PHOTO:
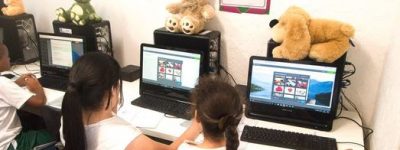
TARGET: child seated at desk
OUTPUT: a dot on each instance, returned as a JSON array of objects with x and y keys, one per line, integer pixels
[
  {"x": 219, "y": 110},
  {"x": 13, "y": 97},
  {"x": 89, "y": 107}
]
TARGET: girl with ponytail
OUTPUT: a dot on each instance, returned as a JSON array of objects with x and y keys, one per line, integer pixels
[
  {"x": 89, "y": 110},
  {"x": 219, "y": 110}
]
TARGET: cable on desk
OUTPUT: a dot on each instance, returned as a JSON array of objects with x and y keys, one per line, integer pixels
[
  {"x": 226, "y": 71},
  {"x": 346, "y": 83},
  {"x": 27, "y": 69},
  {"x": 369, "y": 130},
  {"x": 353, "y": 143}
]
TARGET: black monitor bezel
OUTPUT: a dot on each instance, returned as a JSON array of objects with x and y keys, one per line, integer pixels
[
  {"x": 56, "y": 71},
  {"x": 294, "y": 116},
  {"x": 160, "y": 90}
]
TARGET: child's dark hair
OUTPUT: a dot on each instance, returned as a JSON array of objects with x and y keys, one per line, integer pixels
[
  {"x": 90, "y": 80},
  {"x": 219, "y": 110}
]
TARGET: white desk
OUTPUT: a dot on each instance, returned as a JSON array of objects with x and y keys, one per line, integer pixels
[{"x": 170, "y": 128}]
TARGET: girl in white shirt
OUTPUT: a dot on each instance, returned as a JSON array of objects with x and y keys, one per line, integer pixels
[
  {"x": 219, "y": 109},
  {"x": 89, "y": 107}
]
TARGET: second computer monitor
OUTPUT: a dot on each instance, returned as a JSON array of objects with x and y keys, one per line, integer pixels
[
  {"x": 170, "y": 67},
  {"x": 59, "y": 52}
]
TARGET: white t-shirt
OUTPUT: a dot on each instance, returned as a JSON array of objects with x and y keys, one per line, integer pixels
[
  {"x": 110, "y": 134},
  {"x": 12, "y": 97},
  {"x": 188, "y": 145}
]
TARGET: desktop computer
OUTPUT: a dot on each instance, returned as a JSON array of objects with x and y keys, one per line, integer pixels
[
  {"x": 207, "y": 41},
  {"x": 18, "y": 33},
  {"x": 97, "y": 35}
]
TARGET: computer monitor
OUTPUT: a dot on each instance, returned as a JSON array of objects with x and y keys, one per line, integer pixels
[
  {"x": 59, "y": 52},
  {"x": 300, "y": 93},
  {"x": 170, "y": 68}
]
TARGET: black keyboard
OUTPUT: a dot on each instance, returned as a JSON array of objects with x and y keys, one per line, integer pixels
[
  {"x": 170, "y": 107},
  {"x": 287, "y": 139},
  {"x": 54, "y": 83}
]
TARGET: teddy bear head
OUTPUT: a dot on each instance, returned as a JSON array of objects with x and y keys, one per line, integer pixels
[
  {"x": 293, "y": 24},
  {"x": 291, "y": 30}
]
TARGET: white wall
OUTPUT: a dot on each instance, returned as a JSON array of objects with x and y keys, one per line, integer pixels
[
  {"x": 387, "y": 105},
  {"x": 243, "y": 35}
]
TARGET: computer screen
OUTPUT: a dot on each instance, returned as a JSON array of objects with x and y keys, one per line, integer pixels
[
  {"x": 302, "y": 93},
  {"x": 292, "y": 85},
  {"x": 170, "y": 68},
  {"x": 60, "y": 51}
]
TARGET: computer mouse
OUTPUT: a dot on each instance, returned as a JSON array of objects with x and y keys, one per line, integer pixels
[{"x": 9, "y": 76}]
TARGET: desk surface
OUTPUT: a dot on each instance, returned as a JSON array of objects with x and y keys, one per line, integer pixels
[{"x": 170, "y": 128}]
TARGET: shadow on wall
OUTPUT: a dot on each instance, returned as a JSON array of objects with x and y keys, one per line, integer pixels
[{"x": 357, "y": 92}]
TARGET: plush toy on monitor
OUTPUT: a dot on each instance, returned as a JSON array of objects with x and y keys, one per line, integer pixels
[
  {"x": 13, "y": 7},
  {"x": 189, "y": 16},
  {"x": 80, "y": 13},
  {"x": 301, "y": 36}
]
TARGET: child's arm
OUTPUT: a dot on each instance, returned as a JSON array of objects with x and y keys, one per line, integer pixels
[
  {"x": 144, "y": 142},
  {"x": 39, "y": 99},
  {"x": 190, "y": 134}
]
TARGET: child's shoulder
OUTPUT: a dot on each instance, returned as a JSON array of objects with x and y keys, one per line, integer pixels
[{"x": 190, "y": 145}]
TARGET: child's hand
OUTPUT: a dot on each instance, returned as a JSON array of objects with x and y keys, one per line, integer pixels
[
  {"x": 21, "y": 80},
  {"x": 33, "y": 84}
]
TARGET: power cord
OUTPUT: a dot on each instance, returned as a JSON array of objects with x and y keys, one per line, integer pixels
[
  {"x": 353, "y": 143},
  {"x": 230, "y": 75},
  {"x": 343, "y": 97},
  {"x": 366, "y": 130}
]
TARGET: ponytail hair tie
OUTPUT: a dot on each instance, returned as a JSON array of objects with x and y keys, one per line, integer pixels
[
  {"x": 222, "y": 121},
  {"x": 73, "y": 87}
]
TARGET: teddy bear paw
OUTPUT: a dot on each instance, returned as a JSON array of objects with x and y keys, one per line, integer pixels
[
  {"x": 60, "y": 13},
  {"x": 94, "y": 17},
  {"x": 188, "y": 26},
  {"x": 82, "y": 22},
  {"x": 172, "y": 24},
  {"x": 4, "y": 9}
]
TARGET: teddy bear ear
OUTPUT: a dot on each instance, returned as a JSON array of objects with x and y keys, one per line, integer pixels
[
  {"x": 297, "y": 28},
  {"x": 273, "y": 22}
]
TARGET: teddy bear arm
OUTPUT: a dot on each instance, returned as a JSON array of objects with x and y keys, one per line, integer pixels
[
  {"x": 208, "y": 12},
  {"x": 174, "y": 8},
  {"x": 276, "y": 52},
  {"x": 13, "y": 11},
  {"x": 91, "y": 12},
  {"x": 329, "y": 51},
  {"x": 296, "y": 49}
]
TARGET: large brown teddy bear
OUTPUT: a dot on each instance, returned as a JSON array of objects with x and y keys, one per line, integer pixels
[
  {"x": 189, "y": 16},
  {"x": 300, "y": 36},
  {"x": 14, "y": 7}
]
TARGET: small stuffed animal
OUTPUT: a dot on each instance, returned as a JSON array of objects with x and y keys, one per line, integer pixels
[
  {"x": 14, "y": 7},
  {"x": 189, "y": 16},
  {"x": 80, "y": 13},
  {"x": 300, "y": 36}
]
